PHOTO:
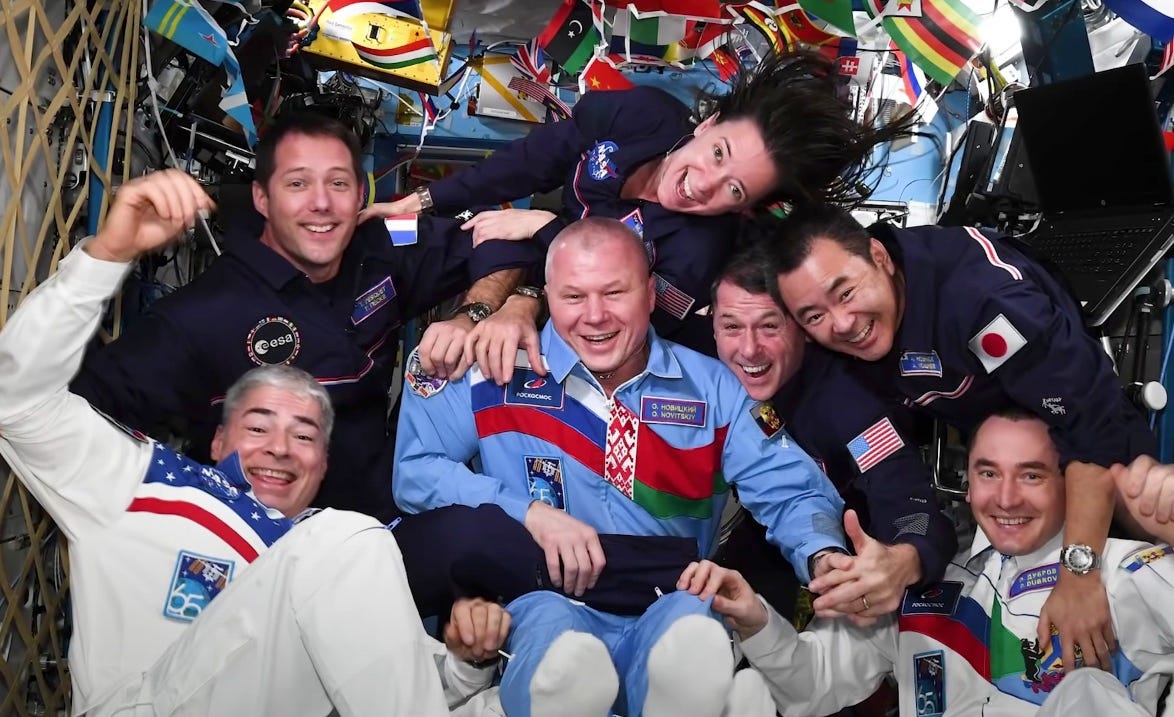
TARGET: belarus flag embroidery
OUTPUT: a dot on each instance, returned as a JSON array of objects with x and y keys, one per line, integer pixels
[
  {"x": 402, "y": 229},
  {"x": 996, "y": 343}
]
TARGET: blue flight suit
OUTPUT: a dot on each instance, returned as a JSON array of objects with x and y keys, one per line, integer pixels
[
  {"x": 864, "y": 445},
  {"x": 172, "y": 366},
  {"x": 609, "y": 136},
  {"x": 985, "y": 327},
  {"x": 655, "y": 458}
]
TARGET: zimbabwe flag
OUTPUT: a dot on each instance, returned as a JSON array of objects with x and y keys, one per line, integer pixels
[{"x": 940, "y": 36}]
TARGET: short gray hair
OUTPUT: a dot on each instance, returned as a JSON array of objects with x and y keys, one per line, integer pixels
[
  {"x": 285, "y": 378},
  {"x": 589, "y": 232}
]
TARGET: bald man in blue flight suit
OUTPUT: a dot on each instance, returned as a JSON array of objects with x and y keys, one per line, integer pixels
[
  {"x": 627, "y": 434},
  {"x": 960, "y": 323}
]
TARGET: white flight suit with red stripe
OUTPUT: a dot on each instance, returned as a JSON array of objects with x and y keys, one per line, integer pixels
[
  {"x": 323, "y": 619},
  {"x": 966, "y": 646}
]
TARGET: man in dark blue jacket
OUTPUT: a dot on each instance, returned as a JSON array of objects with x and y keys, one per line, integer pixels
[
  {"x": 315, "y": 291},
  {"x": 861, "y": 441},
  {"x": 960, "y": 323}
]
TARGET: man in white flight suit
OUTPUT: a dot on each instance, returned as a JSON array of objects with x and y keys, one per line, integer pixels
[
  {"x": 968, "y": 645},
  {"x": 321, "y": 620}
]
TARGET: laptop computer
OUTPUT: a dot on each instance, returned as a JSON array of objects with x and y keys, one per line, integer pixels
[{"x": 1102, "y": 178}]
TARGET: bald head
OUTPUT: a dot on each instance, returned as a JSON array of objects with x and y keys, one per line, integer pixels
[
  {"x": 612, "y": 236},
  {"x": 601, "y": 294}
]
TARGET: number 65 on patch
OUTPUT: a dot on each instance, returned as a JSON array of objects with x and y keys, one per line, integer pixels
[{"x": 929, "y": 681}]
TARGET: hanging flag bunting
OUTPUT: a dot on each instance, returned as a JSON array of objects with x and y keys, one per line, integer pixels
[
  {"x": 801, "y": 28},
  {"x": 763, "y": 20},
  {"x": 189, "y": 25},
  {"x": 693, "y": 9},
  {"x": 727, "y": 64},
  {"x": 652, "y": 30},
  {"x": 540, "y": 92},
  {"x": 847, "y": 61},
  {"x": 940, "y": 36},
  {"x": 1155, "y": 19},
  {"x": 571, "y": 36},
  {"x": 702, "y": 39},
  {"x": 531, "y": 62},
  {"x": 911, "y": 77},
  {"x": 599, "y": 74},
  {"x": 837, "y": 13}
]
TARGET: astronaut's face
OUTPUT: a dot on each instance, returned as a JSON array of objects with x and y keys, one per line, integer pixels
[
  {"x": 724, "y": 168},
  {"x": 310, "y": 204},
  {"x": 846, "y": 302},
  {"x": 600, "y": 297},
  {"x": 282, "y": 445},
  {"x": 760, "y": 344},
  {"x": 1016, "y": 489}
]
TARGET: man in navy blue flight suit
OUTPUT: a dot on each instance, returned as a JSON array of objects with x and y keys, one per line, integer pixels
[
  {"x": 959, "y": 323},
  {"x": 315, "y": 291},
  {"x": 861, "y": 441}
]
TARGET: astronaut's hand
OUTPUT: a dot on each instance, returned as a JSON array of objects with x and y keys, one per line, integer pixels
[
  {"x": 1146, "y": 489},
  {"x": 733, "y": 598},
  {"x": 510, "y": 224},
  {"x": 476, "y": 629},
  {"x": 494, "y": 342},
  {"x": 442, "y": 348},
  {"x": 868, "y": 584},
  {"x": 1078, "y": 607},
  {"x": 147, "y": 213},
  {"x": 569, "y": 541},
  {"x": 404, "y": 205}
]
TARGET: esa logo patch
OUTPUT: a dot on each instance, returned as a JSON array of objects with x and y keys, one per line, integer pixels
[
  {"x": 196, "y": 581},
  {"x": 274, "y": 340},
  {"x": 599, "y": 164}
]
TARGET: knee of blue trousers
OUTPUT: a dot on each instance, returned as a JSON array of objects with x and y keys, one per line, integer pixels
[
  {"x": 536, "y": 620},
  {"x": 631, "y": 656}
]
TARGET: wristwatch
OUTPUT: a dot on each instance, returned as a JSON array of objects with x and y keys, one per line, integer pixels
[
  {"x": 1080, "y": 559},
  {"x": 477, "y": 311},
  {"x": 425, "y": 196},
  {"x": 814, "y": 559},
  {"x": 532, "y": 291}
]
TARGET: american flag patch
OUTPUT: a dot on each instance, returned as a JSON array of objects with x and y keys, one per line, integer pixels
[
  {"x": 671, "y": 299},
  {"x": 879, "y": 441}
]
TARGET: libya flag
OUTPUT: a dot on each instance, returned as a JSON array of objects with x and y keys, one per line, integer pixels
[{"x": 571, "y": 36}]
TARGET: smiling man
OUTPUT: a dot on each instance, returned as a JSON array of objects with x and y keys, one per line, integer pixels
[
  {"x": 191, "y": 595},
  {"x": 959, "y": 323},
  {"x": 861, "y": 441},
  {"x": 316, "y": 290},
  {"x": 627, "y": 434},
  {"x": 968, "y": 645}
]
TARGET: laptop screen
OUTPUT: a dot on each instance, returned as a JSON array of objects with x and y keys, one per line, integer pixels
[{"x": 1093, "y": 142}]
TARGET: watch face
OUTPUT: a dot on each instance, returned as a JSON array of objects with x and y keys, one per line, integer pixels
[
  {"x": 477, "y": 311},
  {"x": 1079, "y": 558}
]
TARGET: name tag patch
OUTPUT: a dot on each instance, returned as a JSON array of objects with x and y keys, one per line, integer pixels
[
  {"x": 372, "y": 300},
  {"x": 921, "y": 363},
  {"x": 544, "y": 477},
  {"x": 938, "y": 599},
  {"x": 1042, "y": 578},
  {"x": 527, "y": 388},
  {"x": 196, "y": 581},
  {"x": 677, "y": 411}
]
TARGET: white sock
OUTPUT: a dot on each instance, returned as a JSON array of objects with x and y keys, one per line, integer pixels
[
  {"x": 576, "y": 678},
  {"x": 749, "y": 697},
  {"x": 690, "y": 669}
]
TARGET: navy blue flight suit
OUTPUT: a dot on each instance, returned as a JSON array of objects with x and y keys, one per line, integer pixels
[
  {"x": 609, "y": 135},
  {"x": 865, "y": 446},
  {"x": 172, "y": 366},
  {"x": 985, "y": 327}
]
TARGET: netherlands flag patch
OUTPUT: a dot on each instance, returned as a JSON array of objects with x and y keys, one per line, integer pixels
[{"x": 402, "y": 229}]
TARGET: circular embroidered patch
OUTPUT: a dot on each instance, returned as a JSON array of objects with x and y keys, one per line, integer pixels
[{"x": 274, "y": 340}]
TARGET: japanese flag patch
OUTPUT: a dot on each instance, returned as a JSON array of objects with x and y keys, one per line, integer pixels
[{"x": 996, "y": 343}]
